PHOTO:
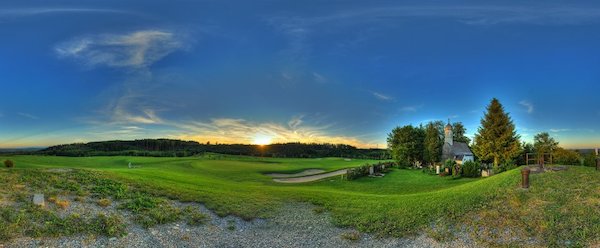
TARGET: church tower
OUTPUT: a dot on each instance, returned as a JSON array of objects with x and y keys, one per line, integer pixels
[{"x": 448, "y": 134}]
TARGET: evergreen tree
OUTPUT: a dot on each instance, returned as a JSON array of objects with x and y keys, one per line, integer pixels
[
  {"x": 406, "y": 144},
  {"x": 432, "y": 143},
  {"x": 496, "y": 139},
  {"x": 458, "y": 133}
]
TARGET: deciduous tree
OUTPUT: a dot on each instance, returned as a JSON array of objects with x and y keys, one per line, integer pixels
[
  {"x": 406, "y": 144},
  {"x": 543, "y": 143}
]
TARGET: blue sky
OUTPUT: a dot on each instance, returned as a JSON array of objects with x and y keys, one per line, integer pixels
[{"x": 282, "y": 71}]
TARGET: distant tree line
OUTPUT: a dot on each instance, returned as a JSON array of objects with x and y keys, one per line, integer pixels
[{"x": 179, "y": 148}]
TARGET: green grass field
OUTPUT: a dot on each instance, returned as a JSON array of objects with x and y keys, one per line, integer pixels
[{"x": 404, "y": 202}]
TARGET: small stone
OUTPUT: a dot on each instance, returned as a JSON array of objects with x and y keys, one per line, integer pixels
[
  {"x": 113, "y": 239},
  {"x": 38, "y": 199},
  {"x": 154, "y": 232}
]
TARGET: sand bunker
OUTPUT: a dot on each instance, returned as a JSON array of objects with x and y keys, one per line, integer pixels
[
  {"x": 299, "y": 174},
  {"x": 311, "y": 178}
]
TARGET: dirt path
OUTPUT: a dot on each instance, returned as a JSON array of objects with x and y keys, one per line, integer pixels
[
  {"x": 310, "y": 178},
  {"x": 297, "y": 225},
  {"x": 299, "y": 174}
]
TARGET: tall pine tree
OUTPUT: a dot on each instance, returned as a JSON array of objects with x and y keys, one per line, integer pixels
[{"x": 496, "y": 139}]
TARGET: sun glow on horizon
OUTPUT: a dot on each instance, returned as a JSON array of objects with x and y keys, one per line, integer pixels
[{"x": 261, "y": 139}]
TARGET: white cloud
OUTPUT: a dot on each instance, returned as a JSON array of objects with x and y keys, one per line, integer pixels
[
  {"x": 136, "y": 49},
  {"x": 411, "y": 108},
  {"x": 225, "y": 130},
  {"x": 558, "y": 130},
  {"x": 381, "y": 96},
  {"x": 27, "y": 115},
  {"x": 408, "y": 109},
  {"x": 295, "y": 122},
  {"x": 527, "y": 105},
  {"x": 466, "y": 14},
  {"x": 286, "y": 76},
  {"x": 319, "y": 78},
  {"x": 38, "y": 11}
]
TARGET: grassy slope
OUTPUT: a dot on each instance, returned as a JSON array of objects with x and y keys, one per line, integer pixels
[
  {"x": 403, "y": 202},
  {"x": 560, "y": 209}
]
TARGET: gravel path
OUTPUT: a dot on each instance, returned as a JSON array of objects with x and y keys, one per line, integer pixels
[
  {"x": 299, "y": 174},
  {"x": 310, "y": 178},
  {"x": 296, "y": 225}
]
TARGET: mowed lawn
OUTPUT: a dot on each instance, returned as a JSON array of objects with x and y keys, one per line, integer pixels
[{"x": 404, "y": 202}]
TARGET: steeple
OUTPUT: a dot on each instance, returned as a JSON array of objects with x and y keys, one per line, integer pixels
[{"x": 448, "y": 134}]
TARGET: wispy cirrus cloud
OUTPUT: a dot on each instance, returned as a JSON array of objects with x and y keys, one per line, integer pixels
[
  {"x": 226, "y": 130},
  {"x": 558, "y": 130},
  {"x": 16, "y": 12},
  {"x": 137, "y": 49},
  {"x": 466, "y": 14},
  {"x": 381, "y": 96},
  {"x": 412, "y": 108},
  {"x": 28, "y": 116},
  {"x": 295, "y": 122},
  {"x": 319, "y": 78},
  {"x": 528, "y": 106},
  {"x": 139, "y": 124}
]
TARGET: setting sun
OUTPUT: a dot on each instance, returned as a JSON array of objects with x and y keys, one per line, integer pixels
[{"x": 261, "y": 139}]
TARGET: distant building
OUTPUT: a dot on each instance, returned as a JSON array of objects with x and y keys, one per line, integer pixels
[{"x": 457, "y": 151}]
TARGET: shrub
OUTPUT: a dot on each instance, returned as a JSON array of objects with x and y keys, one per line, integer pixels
[
  {"x": 63, "y": 204},
  {"x": 456, "y": 171},
  {"x": 429, "y": 170},
  {"x": 566, "y": 157},
  {"x": 352, "y": 236},
  {"x": 590, "y": 160},
  {"x": 194, "y": 217},
  {"x": 112, "y": 225},
  {"x": 104, "y": 202},
  {"x": 449, "y": 163},
  {"x": 363, "y": 170},
  {"x": 9, "y": 163},
  {"x": 509, "y": 165},
  {"x": 230, "y": 225},
  {"x": 319, "y": 210},
  {"x": 141, "y": 203},
  {"x": 471, "y": 169}
]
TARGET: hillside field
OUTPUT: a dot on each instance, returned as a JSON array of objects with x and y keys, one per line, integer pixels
[{"x": 403, "y": 203}]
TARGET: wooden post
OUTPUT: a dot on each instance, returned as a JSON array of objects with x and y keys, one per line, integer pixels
[{"x": 525, "y": 178}]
